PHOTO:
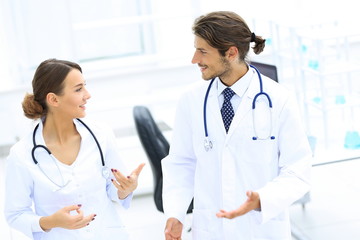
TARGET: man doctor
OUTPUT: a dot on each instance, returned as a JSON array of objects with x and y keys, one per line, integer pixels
[{"x": 242, "y": 187}]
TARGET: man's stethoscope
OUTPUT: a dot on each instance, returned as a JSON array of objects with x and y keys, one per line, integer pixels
[
  {"x": 105, "y": 169},
  {"x": 208, "y": 143}
]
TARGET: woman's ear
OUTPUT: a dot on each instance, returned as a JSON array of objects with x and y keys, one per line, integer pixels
[{"x": 52, "y": 99}]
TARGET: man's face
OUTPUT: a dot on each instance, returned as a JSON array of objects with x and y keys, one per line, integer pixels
[{"x": 211, "y": 63}]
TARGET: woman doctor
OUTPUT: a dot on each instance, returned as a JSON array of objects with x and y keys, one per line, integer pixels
[
  {"x": 246, "y": 175},
  {"x": 67, "y": 194}
]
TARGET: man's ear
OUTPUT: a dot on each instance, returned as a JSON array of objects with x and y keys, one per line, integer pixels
[
  {"x": 232, "y": 53},
  {"x": 52, "y": 99}
]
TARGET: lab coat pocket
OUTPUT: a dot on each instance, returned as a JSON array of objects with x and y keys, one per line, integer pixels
[
  {"x": 205, "y": 224},
  {"x": 274, "y": 229},
  {"x": 260, "y": 142},
  {"x": 200, "y": 234},
  {"x": 115, "y": 232}
]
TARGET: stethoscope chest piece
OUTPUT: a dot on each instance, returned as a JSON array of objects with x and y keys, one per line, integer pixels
[
  {"x": 105, "y": 172},
  {"x": 207, "y": 144}
]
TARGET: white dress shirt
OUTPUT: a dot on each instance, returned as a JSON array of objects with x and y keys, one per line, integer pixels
[
  {"x": 239, "y": 87},
  {"x": 32, "y": 190}
]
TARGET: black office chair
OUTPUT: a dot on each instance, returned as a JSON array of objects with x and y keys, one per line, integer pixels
[
  {"x": 267, "y": 70},
  {"x": 156, "y": 147}
]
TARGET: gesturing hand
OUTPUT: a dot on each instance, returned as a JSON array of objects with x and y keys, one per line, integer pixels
[
  {"x": 251, "y": 203},
  {"x": 64, "y": 219},
  {"x": 126, "y": 185}
]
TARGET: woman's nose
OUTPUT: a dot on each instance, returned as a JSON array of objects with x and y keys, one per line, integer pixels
[{"x": 87, "y": 94}]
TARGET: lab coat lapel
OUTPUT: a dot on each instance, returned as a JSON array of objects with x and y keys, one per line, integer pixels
[{"x": 214, "y": 110}]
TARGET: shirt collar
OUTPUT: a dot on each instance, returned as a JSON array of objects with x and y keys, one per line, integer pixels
[{"x": 239, "y": 87}]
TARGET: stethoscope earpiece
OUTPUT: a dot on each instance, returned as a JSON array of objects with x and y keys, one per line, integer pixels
[{"x": 255, "y": 138}]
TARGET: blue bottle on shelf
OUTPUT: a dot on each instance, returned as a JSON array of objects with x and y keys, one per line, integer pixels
[{"x": 352, "y": 140}]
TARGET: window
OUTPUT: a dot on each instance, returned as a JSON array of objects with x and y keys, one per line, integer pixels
[
  {"x": 112, "y": 29},
  {"x": 100, "y": 34}
]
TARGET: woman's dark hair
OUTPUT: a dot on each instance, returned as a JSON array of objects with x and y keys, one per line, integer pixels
[
  {"x": 224, "y": 29},
  {"x": 49, "y": 77}
]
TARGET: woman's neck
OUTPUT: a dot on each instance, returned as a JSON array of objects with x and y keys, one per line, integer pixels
[{"x": 57, "y": 130}]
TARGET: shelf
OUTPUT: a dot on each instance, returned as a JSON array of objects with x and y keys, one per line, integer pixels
[
  {"x": 334, "y": 68},
  {"x": 330, "y": 105}
]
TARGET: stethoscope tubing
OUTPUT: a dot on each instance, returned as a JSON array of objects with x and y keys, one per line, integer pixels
[
  {"x": 207, "y": 142},
  {"x": 96, "y": 141},
  {"x": 49, "y": 152},
  {"x": 261, "y": 90},
  {"x": 205, "y": 103},
  {"x": 105, "y": 170}
]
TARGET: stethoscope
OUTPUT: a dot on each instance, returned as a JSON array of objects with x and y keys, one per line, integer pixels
[
  {"x": 208, "y": 143},
  {"x": 105, "y": 170}
]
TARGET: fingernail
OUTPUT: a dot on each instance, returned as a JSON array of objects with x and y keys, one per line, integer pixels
[
  {"x": 115, "y": 170},
  {"x": 79, "y": 205},
  {"x": 95, "y": 215},
  {"x": 112, "y": 170},
  {"x": 128, "y": 176},
  {"x": 112, "y": 180},
  {"x": 88, "y": 224},
  {"x": 93, "y": 219}
]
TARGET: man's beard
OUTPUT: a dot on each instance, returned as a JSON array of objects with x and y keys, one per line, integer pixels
[{"x": 225, "y": 71}]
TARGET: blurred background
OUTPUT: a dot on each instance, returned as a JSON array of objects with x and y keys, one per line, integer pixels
[{"x": 139, "y": 52}]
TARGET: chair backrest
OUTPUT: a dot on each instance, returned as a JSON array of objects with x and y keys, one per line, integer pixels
[
  {"x": 155, "y": 145},
  {"x": 267, "y": 70}
]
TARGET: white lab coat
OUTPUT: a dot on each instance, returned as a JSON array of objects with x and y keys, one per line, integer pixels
[
  {"x": 30, "y": 194},
  {"x": 279, "y": 170}
]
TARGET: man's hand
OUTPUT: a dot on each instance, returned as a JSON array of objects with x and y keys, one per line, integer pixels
[
  {"x": 173, "y": 229},
  {"x": 251, "y": 203}
]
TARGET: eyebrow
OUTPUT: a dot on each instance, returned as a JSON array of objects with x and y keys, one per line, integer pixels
[
  {"x": 79, "y": 85},
  {"x": 201, "y": 49}
]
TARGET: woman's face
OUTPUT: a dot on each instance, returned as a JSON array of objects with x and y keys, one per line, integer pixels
[{"x": 75, "y": 95}]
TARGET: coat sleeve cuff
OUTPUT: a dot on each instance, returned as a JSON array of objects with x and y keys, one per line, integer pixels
[
  {"x": 180, "y": 217},
  {"x": 35, "y": 224},
  {"x": 125, "y": 203}
]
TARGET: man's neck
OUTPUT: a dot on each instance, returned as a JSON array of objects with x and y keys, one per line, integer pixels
[{"x": 238, "y": 70}]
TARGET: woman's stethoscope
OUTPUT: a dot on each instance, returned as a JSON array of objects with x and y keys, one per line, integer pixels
[
  {"x": 105, "y": 169},
  {"x": 208, "y": 143}
]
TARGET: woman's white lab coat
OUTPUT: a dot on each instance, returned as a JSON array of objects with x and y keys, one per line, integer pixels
[
  {"x": 30, "y": 194},
  {"x": 279, "y": 169}
]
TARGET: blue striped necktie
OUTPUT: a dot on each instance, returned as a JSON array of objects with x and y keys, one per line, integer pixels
[{"x": 227, "y": 110}]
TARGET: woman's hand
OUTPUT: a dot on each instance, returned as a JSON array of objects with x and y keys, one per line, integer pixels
[
  {"x": 126, "y": 185},
  {"x": 253, "y": 202},
  {"x": 64, "y": 219}
]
